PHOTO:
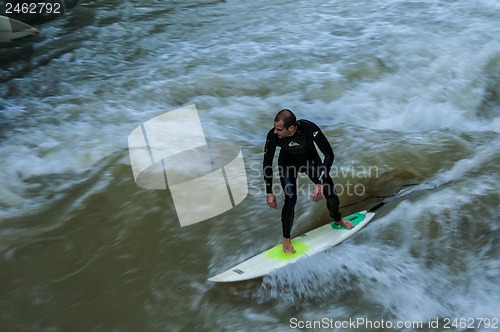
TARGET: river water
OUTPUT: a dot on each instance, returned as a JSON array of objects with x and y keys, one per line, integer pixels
[{"x": 407, "y": 92}]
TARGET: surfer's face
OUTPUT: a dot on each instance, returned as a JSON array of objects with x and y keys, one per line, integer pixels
[{"x": 281, "y": 131}]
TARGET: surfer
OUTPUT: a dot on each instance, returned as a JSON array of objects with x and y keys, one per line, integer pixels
[{"x": 298, "y": 154}]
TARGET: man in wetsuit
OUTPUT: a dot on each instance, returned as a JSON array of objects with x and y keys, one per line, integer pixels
[{"x": 298, "y": 154}]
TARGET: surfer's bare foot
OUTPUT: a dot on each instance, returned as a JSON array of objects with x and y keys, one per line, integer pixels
[
  {"x": 345, "y": 223},
  {"x": 287, "y": 246}
]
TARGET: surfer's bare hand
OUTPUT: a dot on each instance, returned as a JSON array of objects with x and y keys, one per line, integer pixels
[
  {"x": 271, "y": 201},
  {"x": 317, "y": 193}
]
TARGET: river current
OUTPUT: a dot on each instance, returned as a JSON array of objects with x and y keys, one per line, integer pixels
[{"x": 407, "y": 92}]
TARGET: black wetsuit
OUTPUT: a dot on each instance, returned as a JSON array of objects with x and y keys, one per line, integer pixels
[{"x": 298, "y": 154}]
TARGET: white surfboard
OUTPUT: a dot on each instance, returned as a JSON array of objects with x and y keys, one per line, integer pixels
[
  {"x": 305, "y": 245},
  {"x": 12, "y": 30}
]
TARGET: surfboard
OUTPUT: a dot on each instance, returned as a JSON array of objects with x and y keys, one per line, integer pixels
[
  {"x": 306, "y": 245},
  {"x": 13, "y": 30}
]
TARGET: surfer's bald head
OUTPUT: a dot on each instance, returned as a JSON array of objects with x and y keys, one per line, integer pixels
[{"x": 287, "y": 117}]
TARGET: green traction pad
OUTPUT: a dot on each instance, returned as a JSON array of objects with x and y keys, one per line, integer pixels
[
  {"x": 276, "y": 253},
  {"x": 355, "y": 218}
]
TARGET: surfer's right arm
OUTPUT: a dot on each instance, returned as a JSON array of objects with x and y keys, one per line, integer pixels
[{"x": 267, "y": 166}]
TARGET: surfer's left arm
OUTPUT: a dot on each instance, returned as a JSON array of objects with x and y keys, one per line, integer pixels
[{"x": 325, "y": 148}]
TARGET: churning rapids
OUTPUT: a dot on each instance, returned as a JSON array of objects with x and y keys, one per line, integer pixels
[{"x": 407, "y": 92}]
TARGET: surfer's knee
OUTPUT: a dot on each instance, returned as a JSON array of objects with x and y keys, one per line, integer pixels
[
  {"x": 290, "y": 193},
  {"x": 290, "y": 198},
  {"x": 329, "y": 190}
]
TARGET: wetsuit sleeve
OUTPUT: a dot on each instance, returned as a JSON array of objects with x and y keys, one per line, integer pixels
[
  {"x": 269, "y": 150},
  {"x": 325, "y": 148}
]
